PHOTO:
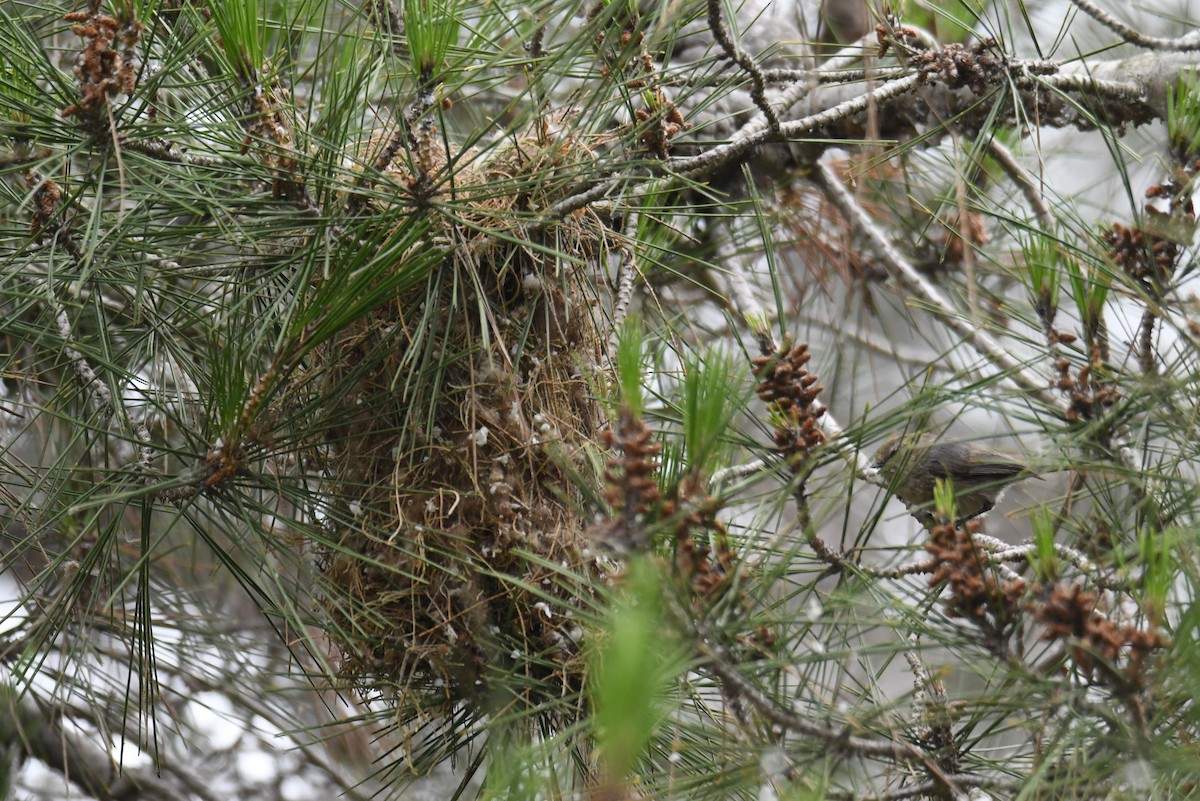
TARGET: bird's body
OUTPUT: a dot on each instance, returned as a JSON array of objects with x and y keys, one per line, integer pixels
[{"x": 912, "y": 464}]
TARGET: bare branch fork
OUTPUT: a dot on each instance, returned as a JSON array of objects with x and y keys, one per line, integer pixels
[
  {"x": 755, "y": 134},
  {"x": 733, "y": 51}
]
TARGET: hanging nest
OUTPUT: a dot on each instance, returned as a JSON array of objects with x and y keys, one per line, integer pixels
[{"x": 464, "y": 412}]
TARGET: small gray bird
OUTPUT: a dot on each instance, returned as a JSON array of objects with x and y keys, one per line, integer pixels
[{"x": 913, "y": 463}]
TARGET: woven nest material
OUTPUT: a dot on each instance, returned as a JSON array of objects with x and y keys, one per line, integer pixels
[{"x": 465, "y": 410}]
